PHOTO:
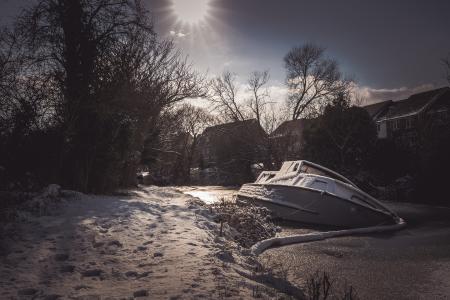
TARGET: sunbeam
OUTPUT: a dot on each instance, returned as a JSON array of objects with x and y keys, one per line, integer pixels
[{"x": 192, "y": 12}]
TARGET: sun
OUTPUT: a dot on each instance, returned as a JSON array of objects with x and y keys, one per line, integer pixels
[{"x": 191, "y": 11}]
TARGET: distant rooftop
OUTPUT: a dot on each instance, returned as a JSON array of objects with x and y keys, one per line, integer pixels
[
  {"x": 290, "y": 127},
  {"x": 375, "y": 109},
  {"x": 250, "y": 124},
  {"x": 412, "y": 105}
]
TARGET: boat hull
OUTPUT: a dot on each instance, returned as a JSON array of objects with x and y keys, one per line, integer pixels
[{"x": 310, "y": 206}]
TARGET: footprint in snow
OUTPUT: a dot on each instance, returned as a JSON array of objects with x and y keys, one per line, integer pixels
[
  {"x": 88, "y": 297},
  {"x": 92, "y": 273},
  {"x": 140, "y": 293},
  {"x": 106, "y": 225},
  {"x": 115, "y": 243},
  {"x": 158, "y": 254},
  {"x": 52, "y": 297},
  {"x": 98, "y": 244},
  {"x": 67, "y": 269},
  {"x": 27, "y": 292},
  {"x": 82, "y": 287},
  {"x": 61, "y": 257},
  {"x": 131, "y": 274},
  {"x": 144, "y": 274}
]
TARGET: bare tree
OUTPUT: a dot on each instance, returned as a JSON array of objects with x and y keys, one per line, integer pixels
[
  {"x": 235, "y": 105},
  {"x": 223, "y": 95},
  {"x": 446, "y": 62},
  {"x": 194, "y": 122},
  {"x": 258, "y": 101},
  {"x": 194, "y": 119},
  {"x": 8, "y": 72},
  {"x": 260, "y": 106},
  {"x": 180, "y": 129},
  {"x": 312, "y": 79}
]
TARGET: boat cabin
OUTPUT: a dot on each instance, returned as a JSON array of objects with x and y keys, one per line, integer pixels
[{"x": 290, "y": 169}]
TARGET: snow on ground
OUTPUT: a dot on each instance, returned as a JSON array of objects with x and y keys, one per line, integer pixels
[{"x": 152, "y": 243}]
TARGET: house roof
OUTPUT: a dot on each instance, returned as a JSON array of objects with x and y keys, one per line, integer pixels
[
  {"x": 251, "y": 124},
  {"x": 415, "y": 103},
  {"x": 290, "y": 127},
  {"x": 443, "y": 101},
  {"x": 377, "y": 109}
]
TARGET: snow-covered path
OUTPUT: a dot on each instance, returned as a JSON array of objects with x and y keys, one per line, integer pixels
[{"x": 150, "y": 244}]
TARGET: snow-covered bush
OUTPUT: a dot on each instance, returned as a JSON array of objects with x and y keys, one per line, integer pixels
[{"x": 250, "y": 223}]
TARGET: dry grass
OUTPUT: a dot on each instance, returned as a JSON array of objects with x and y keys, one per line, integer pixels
[{"x": 320, "y": 286}]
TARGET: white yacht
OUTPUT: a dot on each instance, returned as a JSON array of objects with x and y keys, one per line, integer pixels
[{"x": 309, "y": 193}]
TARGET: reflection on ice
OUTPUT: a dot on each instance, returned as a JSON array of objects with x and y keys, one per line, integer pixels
[
  {"x": 206, "y": 197},
  {"x": 211, "y": 194}
]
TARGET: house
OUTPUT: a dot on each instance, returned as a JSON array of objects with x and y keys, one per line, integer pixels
[
  {"x": 404, "y": 120},
  {"x": 287, "y": 140},
  {"x": 376, "y": 111},
  {"x": 239, "y": 141}
]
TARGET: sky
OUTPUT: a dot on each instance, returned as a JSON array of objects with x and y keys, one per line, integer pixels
[{"x": 391, "y": 48}]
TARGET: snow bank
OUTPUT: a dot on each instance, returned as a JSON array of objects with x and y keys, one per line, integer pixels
[
  {"x": 153, "y": 242},
  {"x": 48, "y": 200}
]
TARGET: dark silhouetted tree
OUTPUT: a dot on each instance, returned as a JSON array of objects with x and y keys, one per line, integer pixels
[
  {"x": 342, "y": 138},
  {"x": 98, "y": 78}
]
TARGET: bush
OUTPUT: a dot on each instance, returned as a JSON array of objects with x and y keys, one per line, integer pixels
[{"x": 250, "y": 223}]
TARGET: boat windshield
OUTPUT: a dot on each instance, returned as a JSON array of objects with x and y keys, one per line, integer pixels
[
  {"x": 309, "y": 169},
  {"x": 265, "y": 176},
  {"x": 312, "y": 170}
]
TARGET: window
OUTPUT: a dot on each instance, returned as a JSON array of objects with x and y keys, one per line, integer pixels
[
  {"x": 395, "y": 125},
  {"x": 442, "y": 116},
  {"x": 319, "y": 185},
  {"x": 311, "y": 170},
  {"x": 408, "y": 123},
  {"x": 295, "y": 167},
  {"x": 412, "y": 139},
  {"x": 297, "y": 180}
]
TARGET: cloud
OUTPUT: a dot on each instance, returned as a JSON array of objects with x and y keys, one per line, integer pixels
[
  {"x": 178, "y": 34},
  {"x": 227, "y": 63},
  {"x": 370, "y": 95},
  {"x": 278, "y": 93}
]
